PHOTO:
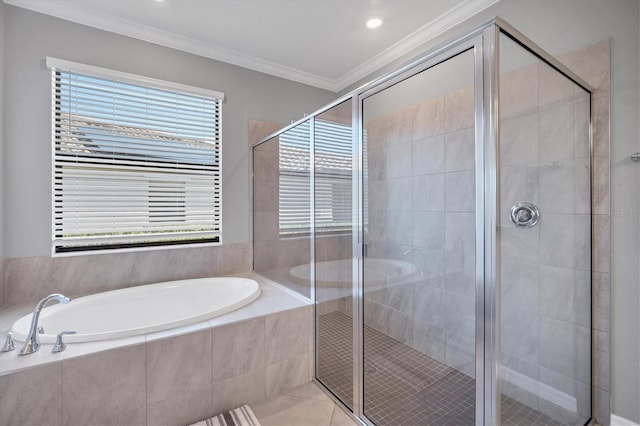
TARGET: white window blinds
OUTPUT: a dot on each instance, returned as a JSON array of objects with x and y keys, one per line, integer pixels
[
  {"x": 134, "y": 165},
  {"x": 333, "y": 179}
]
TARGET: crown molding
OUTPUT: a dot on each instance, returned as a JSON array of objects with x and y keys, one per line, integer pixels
[
  {"x": 434, "y": 28},
  {"x": 128, "y": 28}
]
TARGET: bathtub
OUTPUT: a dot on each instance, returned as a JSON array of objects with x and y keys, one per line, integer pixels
[{"x": 142, "y": 309}]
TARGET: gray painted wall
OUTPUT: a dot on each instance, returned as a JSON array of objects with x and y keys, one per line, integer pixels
[
  {"x": 562, "y": 26},
  {"x": 30, "y": 37},
  {"x": 2, "y": 295}
]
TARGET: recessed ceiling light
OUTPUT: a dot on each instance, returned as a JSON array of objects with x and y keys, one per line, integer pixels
[{"x": 374, "y": 22}]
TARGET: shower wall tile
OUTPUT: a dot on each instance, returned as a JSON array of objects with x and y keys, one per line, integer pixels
[
  {"x": 565, "y": 294},
  {"x": 460, "y": 360},
  {"x": 519, "y": 91},
  {"x": 28, "y": 279},
  {"x": 376, "y": 134},
  {"x": 565, "y": 241},
  {"x": 265, "y": 225},
  {"x": 519, "y": 138},
  {"x": 428, "y": 155},
  {"x": 32, "y": 396},
  {"x": 602, "y": 302},
  {"x": 428, "y": 230},
  {"x": 428, "y": 306},
  {"x": 460, "y": 232},
  {"x": 430, "y": 265},
  {"x": 461, "y": 191},
  {"x": 3, "y": 288},
  {"x": 398, "y": 160},
  {"x": 261, "y": 129},
  {"x": 520, "y": 329},
  {"x": 399, "y": 194},
  {"x": 561, "y": 384},
  {"x": 119, "y": 373},
  {"x": 520, "y": 285},
  {"x": 178, "y": 365},
  {"x": 400, "y": 228},
  {"x": 513, "y": 372},
  {"x": 561, "y": 348},
  {"x": 265, "y": 196},
  {"x": 428, "y": 193},
  {"x": 460, "y": 273},
  {"x": 557, "y": 133},
  {"x": 429, "y": 339},
  {"x": 518, "y": 183},
  {"x": 592, "y": 63},
  {"x": 459, "y": 314},
  {"x": 460, "y": 150},
  {"x": 429, "y": 118},
  {"x": 459, "y": 109},
  {"x": 602, "y": 406},
  {"x": 399, "y": 126},
  {"x": 554, "y": 88},
  {"x": 518, "y": 244},
  {"x": 601, "y": 186}
]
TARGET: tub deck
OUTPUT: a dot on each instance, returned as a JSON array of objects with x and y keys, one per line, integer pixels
[{"x": 273, "y": 298}]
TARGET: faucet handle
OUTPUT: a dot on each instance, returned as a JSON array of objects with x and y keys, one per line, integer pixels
[
  {"x": 60, "y": 346},
  {"x": 9, "y": 344},
  {"x": 40, "y": 330}
]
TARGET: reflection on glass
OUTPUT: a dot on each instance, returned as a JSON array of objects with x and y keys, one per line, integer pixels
[
  {"x": 333, "y": 148},
  {"x": 545, "y": 277},
  {"x": 282, "y": 217},
  {"x": 419, "y": 277}
]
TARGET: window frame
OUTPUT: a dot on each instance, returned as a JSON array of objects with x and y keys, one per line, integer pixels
[{"x": 56, "y": 65}]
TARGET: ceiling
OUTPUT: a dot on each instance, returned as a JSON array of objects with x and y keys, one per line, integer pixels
[{"x": 323, "y": 43}]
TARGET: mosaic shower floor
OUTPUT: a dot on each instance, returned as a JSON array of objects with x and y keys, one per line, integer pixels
[{"x": 403, "y": 386}]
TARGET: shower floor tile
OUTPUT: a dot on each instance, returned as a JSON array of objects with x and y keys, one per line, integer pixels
[{"x": 403, "y": 386}]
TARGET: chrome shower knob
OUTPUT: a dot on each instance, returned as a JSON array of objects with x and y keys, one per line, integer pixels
[
  {"x": 60, "y": 346},
  {"x": 525, "y": 215}
]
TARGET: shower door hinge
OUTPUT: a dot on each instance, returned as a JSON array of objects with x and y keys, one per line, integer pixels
[{"x": 362, "y": 251}]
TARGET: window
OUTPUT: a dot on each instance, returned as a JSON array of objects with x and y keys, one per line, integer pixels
[
  {"x": 136, "y": 161},
  {"x": 333, "y": 178}
]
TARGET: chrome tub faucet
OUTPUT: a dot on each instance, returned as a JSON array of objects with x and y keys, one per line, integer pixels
[{"x": 32, "y": 344}]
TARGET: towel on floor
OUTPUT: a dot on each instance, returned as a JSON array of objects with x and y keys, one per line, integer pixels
[{"x": 241, "y": 416}]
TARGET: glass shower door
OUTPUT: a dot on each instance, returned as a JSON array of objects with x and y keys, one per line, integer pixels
[
  {"x": 333, "y": 183},
  {"x": 419, "y": 274},
  {"x": 544, "y": 243}
]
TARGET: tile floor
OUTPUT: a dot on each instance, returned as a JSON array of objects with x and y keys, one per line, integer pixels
[
  {"x": 402, "y": 385},
  {"x": 306, "y": 405}
]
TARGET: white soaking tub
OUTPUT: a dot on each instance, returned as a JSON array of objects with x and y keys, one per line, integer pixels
[{"x": 142, "y": 309}]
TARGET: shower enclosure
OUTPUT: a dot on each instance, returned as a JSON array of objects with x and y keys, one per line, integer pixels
[{"x": 439, "y": 218}]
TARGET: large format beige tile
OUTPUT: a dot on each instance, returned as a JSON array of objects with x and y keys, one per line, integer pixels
[
  {"x": 178, "y": 365},
  {"x": 288, "y": 334},
  {"x": 100, "y": 388},
  {"x": 238, "y": 348},
  {"x": 32, "y": 397}
]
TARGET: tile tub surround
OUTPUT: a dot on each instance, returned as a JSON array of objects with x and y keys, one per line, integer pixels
[
  {"x": 28, "y": 279},
  {"x": 172, "y": 377}
]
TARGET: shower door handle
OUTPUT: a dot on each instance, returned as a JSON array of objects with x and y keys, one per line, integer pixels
[{"x": 525, "y": 215}]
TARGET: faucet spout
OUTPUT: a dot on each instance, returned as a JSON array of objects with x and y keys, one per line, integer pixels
[{"x": 32, "y": 344}]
